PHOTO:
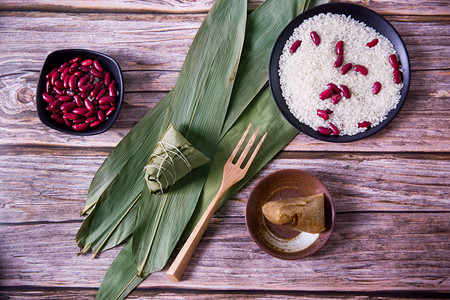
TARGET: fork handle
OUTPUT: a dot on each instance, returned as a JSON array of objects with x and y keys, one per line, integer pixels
[{"x": 179, "y": 264}]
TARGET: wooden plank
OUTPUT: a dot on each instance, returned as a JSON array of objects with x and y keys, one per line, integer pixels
[
  {"x": 52, "y": 188},
  {"x": 422, "y": 7},
  {"x": 160, "y": 42},
  {"x": 366, "y": 252},
  {"x": 195, "y": 294}
]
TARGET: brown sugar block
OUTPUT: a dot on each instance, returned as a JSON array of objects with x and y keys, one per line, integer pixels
[{"x": 301, "y": 214}]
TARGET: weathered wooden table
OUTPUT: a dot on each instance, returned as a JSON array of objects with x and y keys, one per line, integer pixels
[{"x": 392, "y": 236}]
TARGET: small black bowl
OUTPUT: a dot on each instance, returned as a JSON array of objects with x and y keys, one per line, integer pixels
[
  {"x": 359, "y": 13},
  {"x": 56, "y": 59}
]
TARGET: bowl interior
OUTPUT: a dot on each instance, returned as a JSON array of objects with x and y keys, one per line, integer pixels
[
  {"x": 278, "y": 240},
  {"x": 56, "y": 59},
  {"x": 357, "y": 12}
]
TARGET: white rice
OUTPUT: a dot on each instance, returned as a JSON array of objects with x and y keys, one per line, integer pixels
[{"x": 306, "y": 73}]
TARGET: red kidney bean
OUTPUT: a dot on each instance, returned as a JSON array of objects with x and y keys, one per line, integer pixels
[
  {"x": 96, "y": 89},
  {"x": 86, "y": 87},
  {"x": 70, "y": 116},
  {"x": 107, "y": 78},
  {"x": 364, "y": 124},
  {"x": 315, "y": 38},
  {"x": 329, "y": 111},
  {"x": 376, "y": 88},
  {"x": 83, "y": 69},
  {"x": 55, "y": 77},
  {"x": 58, "y": 91},
  {"x": 340, "y": 48},
  {"x": 91, "y": 119},
  {"x": 397, "y": 76},
  {"x": 98, "y": 66},
  {"x": 77, "y": 73},
  {"x": 88, "y": 105},
  {"x": 345, "y": 91},
  {"x": 80, "y": 110},
  {"x": 86, "y": 62},
  {"x": 95, "y": 123},
  {"x": 334, "y": 129},
  {"x": 360, "y": 69},
  {"x": 326, "y": 94},
  {"x": 73, "y": 82},
  {"x": 106, "y": 100},
  {"x": 48, "y": 87},
  {"x": 71, "y": 92},
  {"x": 346, "y": 68},
  {"x": 68, "y": 106},
  {"x": 66, "y": 81},
  {"x": 79, "y": 101},
  {"x": 79, "y": 120},
  {"x": 95, "y": 102},
  {"x": 112, "y": 90},
  {"x": 372, "y": 43},
  {"x": 49, "y": 75},
  {"x": 59, "y": 84},
  {"x": 295, "y": 46},
  {"x": 394, "y": 62},
  {"x": 96, "y": 73},
  {"x": 104, "y": 107},
  {"x": 83, "y": 80},
  {"x": 101, "y": 116},
  {"x": 322, "y": 114},
  {"x": 55, "y": 104},
  {"x": 48, "y": 98},
  {"x": 110, "y": 111},
  {"x": 63, "y": 66},
  {"x": 80, "y": 127},
  {"x": 101, "y": 93},
  {"x": 339, "y": 61},
  {"x": 64, "y": 73},
  {"x": 324, "y": 130},
  {"x": 336, "y": 98},
  {"x": 57, "y": 118},
  {"x": 334, "y": 88},
  {"x": 74, "y": 60},
  {"x": 65, "y": 98}
]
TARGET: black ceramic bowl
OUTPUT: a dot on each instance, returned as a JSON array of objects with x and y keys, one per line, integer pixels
[
  {"x": 56, "y": 59},
  {"x": 359, "y": 13}
]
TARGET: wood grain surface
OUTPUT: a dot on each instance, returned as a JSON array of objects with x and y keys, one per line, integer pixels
[{"x": 392, "y": 234}]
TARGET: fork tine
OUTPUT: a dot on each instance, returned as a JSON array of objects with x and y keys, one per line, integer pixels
[
  {"x": 247, "y": 148},
  {"x": 250, "y": 160},
  {"x": 235, "y": 151}
]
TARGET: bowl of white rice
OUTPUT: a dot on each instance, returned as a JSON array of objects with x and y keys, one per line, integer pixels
[{"x": 339, "y": 72}]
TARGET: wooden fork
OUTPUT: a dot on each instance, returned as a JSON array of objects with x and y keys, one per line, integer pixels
[{"x": 232, "y": 173}]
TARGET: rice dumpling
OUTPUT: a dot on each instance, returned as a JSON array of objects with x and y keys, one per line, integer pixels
[
  {"x": 173, "y": 158},
  {"x": 301, "y": 214}
]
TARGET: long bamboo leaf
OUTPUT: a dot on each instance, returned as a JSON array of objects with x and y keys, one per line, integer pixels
[
  {"x": 263, "y": 28},
  {"x": 121, "y": 277},
  {"x": 213, "y": 59}
]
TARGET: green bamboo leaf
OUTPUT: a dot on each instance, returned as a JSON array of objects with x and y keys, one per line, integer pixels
[
  {"x": 121, "y": 277},
  {"x": 120, "y": 155},
  {"x": 264, "y": 26},
  {"x": 112, "y": 219},
  {"x": 212, "y": 60}
]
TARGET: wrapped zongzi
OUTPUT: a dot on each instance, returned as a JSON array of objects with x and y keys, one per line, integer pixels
[{"x": 173, "y": 158}]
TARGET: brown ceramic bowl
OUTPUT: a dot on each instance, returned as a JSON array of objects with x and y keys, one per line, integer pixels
[{"x": 278, "y": 240}]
